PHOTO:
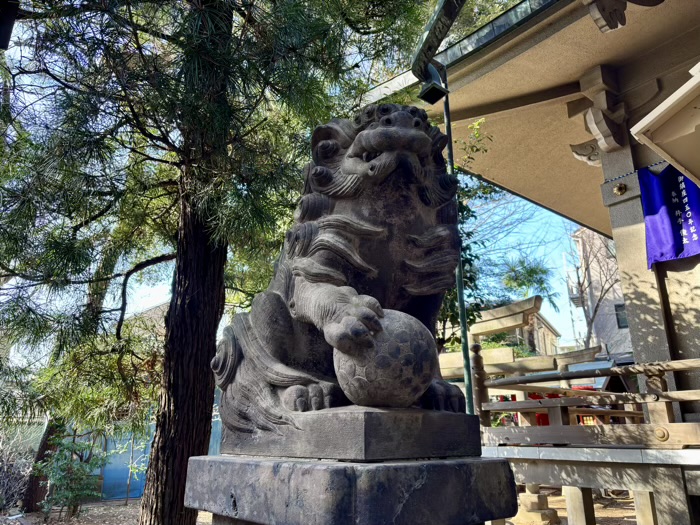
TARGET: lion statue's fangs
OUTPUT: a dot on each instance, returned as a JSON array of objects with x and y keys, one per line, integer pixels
[{"x": 376, "y": 228}]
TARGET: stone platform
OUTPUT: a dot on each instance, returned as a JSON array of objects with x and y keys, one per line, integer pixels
[
  {"x": 364, "y": 434},
  {"x": 242, "y": 490}
]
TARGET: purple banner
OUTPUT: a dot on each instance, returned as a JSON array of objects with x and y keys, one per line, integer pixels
[{"x": 671, "y": 203}]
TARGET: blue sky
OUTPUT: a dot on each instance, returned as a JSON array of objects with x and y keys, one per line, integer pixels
[
  {"x": 556, "y": 228},
  {"x": 554, "y": 255}
]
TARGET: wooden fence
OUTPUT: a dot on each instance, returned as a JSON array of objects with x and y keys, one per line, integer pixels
[{"x": 642, "y": 420}]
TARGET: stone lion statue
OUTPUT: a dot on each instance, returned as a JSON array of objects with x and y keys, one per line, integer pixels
[{"x": 374, "y": 230}]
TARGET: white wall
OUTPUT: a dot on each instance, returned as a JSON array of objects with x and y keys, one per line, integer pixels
[{"x": 600, "y": 274}]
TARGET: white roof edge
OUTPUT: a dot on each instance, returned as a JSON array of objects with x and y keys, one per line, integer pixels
[
  {"x": 450, "y": 55},
  {"x": 394, "y": 85}
]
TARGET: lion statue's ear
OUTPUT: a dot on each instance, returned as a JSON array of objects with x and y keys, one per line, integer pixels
[
  {"x": 325, "y": 132},
  {"x": 438, "y": 138},
  {"x": 324, "y": 145},
  {"x": 329, "y": 142}
]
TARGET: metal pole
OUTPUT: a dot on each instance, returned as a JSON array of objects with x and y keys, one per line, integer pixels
[{"x": 460, "y": 272}]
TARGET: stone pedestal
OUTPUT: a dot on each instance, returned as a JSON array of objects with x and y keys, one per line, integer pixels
[
  {"x": 357, "y": 433},
  {"x": 466, "y": 491},
  {"x": 358, "y": 466}
]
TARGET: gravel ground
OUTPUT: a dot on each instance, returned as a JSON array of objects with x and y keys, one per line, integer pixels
[
  {"x": 103, "y": 513},
  {"x": 608, "y": 511}
]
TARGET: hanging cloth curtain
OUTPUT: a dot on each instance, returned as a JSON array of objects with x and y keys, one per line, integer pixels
[{"x": 671, "y": 204}]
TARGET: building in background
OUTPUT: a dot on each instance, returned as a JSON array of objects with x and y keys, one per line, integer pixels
[
  {"x": 518, "y": 324},
  {"x": 594, "y": 287},
  {"x": 539, "y": 335}
]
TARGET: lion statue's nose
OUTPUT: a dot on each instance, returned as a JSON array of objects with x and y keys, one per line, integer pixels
[{"x": 401, "y": 119}]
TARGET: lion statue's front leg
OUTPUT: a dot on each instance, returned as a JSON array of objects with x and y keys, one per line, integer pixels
[{"x": 347, "y": 320}]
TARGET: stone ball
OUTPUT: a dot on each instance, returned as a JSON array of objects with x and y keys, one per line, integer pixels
[{"x": 396, "y": 371}]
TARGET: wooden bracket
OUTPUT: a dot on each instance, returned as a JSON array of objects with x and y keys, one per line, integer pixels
[
  {"x": 609, "y": 15},
  {"x": 603, "y": 116}
]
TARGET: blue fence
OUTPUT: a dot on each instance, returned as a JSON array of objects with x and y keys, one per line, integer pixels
[{"x": 116, "y": 473}]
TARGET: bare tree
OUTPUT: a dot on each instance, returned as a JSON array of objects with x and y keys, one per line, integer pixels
[
  {"x": 15, "y": 466},
  {"x": 495, "y": 225},
  {"x": 594, "y": 275}
]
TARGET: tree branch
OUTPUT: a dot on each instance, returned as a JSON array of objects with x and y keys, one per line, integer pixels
[
  {"x": 125, "y": 283},
  {"x": 101, "y": 213}
]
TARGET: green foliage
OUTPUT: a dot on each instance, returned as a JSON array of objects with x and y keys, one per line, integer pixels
[
  {"x": 70, "y": 473},
  {"x": 104, "y": 389},
  {"x": 475, "y": 145},
  {"x": 107, "y": 107},
  {"x": 500, "y": 419},
  {"x": 19, "y": 399},
  {"x": 526, "y": 277},
  {"x": 523, "y": 351},
  {"x": 504, "y": 339},
  {"x": 123, "y": 118},
  {"x": 498, "y": 282},
  {"x": 469, "y": 189},
  {"x": 138, "y": 458},
  {"x": 102, "y": 384},
  {"x": 475, "y": 14},
  {"x": 117, "y": 118},
  {"x": 496, "y": 340},
  {"x": 492, "y": 277}
]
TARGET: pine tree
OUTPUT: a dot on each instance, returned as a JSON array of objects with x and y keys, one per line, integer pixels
[{"x": 142, "y": 132}]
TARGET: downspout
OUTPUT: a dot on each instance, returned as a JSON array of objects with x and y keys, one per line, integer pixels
[
  {"x": 435, "y": 32},
  {"x": 9, "y": 10},
  {"x": 424, "y": 67}
]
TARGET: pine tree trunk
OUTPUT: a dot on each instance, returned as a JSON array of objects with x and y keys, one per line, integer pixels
[
  {"x": 35, "y": 492},
  {"x": 183, "y": 424}
]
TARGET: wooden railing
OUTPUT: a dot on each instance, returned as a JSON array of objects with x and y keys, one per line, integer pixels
[{"x": 644, "y": 420}]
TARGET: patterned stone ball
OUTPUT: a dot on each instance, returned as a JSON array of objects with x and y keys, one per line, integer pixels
[{"x": 397, "y": 371}]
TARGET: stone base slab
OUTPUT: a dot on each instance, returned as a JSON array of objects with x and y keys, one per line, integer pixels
[
  {"x": 534, "y": 501},
  {"x": 537, "y": 517},
  {"x": 358, "y": 433},
  {"x": 279, "y": 491}
]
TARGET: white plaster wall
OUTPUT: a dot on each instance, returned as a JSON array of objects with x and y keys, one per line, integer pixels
[{"x": 598, "y": 267}]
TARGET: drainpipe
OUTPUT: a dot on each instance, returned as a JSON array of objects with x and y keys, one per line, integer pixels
[
  {"x": 461, "y": 306},
  {"x": 435, "y": 32},
  {"x": 425, "y": 67},
  {"x": 9, "y": 10}
]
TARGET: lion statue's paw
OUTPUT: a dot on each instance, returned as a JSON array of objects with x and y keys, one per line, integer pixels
[
  {"x": 316, "y": 396},
  {"x": 442, "y": 395},
  {"x": 354, "y": 324}
]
